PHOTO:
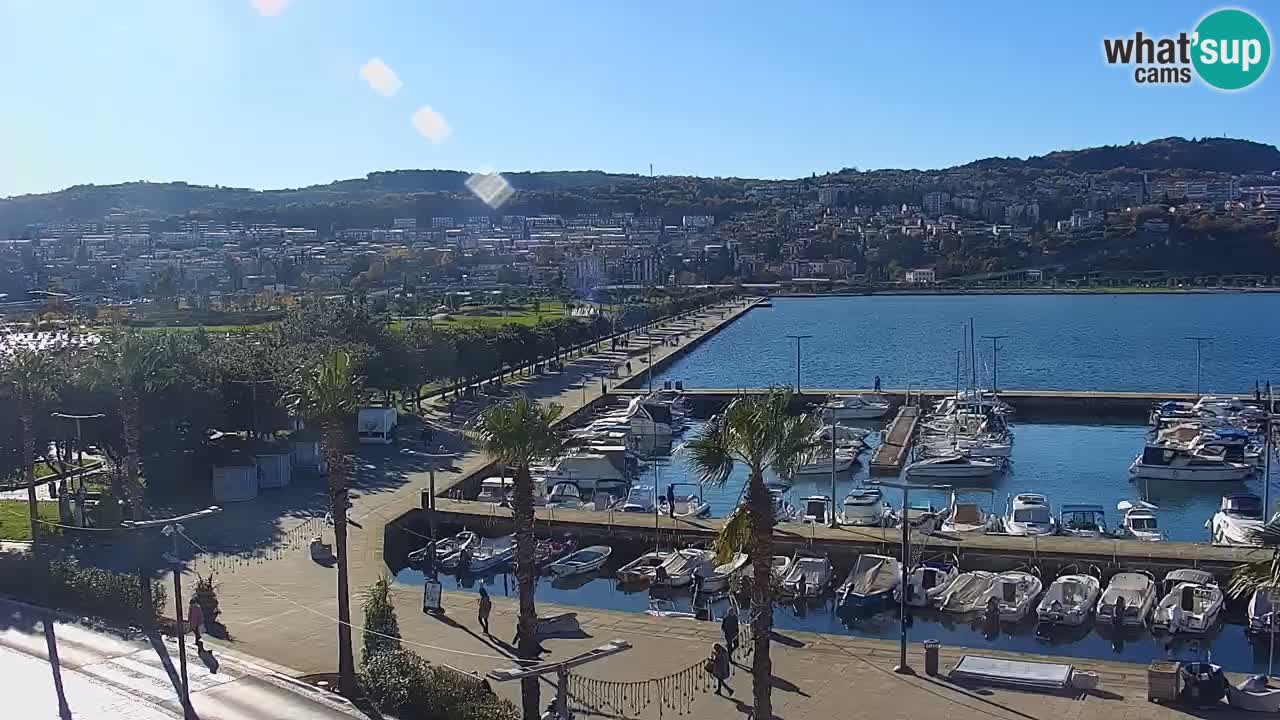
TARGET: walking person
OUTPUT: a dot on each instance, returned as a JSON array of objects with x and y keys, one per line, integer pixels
[
  {"x": 195, "y": 621},
  {"x": 718, "y": 666},
  {"x": 729, "y": 626},
  {"x": 671, "y": 501},
  {"x": 486, "y": 605}
]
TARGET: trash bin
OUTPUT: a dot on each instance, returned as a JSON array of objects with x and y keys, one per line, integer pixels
[{"x": 931, "y": 657}]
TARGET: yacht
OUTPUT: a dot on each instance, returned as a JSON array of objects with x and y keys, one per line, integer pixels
[
  {"x": 820, "y": 463},
  {"x": 1028, "y": 515},
  {"x": 870, "y": 583},
  {"x": 689, "y": 502},
  {"x": 649, "y": 419},
  {"x": 1139, "y": 521},
  {"x": 865, "y": 406},
  {"x": 952, "y": 465},
  {"x": 1163, "y": 462},
  {"x": 1083, "y": 521},
  {"x": 1016, "y": 592},
  {"x": 815, "y": 509},
  {"x": 1128, "y": 599},
  {"x": 1069, "y": 600},
  {"x": 968, "y": 592},
  {"x": 865, "y": 507},
  {"x": 1191, "y": 602},
  {"x": 928, "y": 582},
  {"x": 1237, "y": 521},
  {"x": 587, "y": 467},
  {"x": 816, "y": 572},
  {"x": 963, "y": 518},
  {"x": 979, "y": 447},
  {"x": 640, "y": 500}
]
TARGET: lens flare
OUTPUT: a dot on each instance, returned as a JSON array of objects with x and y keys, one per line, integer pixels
[
  {"x": 492, "y": 188},
  {"x": 269, "y": 8},
  {"x": 431, "y": 124},
  {"x": 381, "y": 77}
]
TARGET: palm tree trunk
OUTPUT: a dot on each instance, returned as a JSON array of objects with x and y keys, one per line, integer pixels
[
  {"x": 135, "y": 493},
  {"x": 522, "y": 513},
  {"x": 339, "y": 467},
  {"x": 761, "y": 595}
]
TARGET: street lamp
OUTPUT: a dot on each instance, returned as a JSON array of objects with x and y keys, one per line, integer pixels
[
  {"x": 431, "y": 502},
  {"x": 80, "y": 458},
  {"x": 798, "y": 338},
  {"x": 1200, "y": 340},
  {"x": 995, "y": 360}
]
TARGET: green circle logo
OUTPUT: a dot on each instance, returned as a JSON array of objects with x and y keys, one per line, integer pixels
[{"x": 1232, "y": 49}]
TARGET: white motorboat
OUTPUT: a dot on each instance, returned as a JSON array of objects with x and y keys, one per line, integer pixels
[
  {"x": 924, "y": 517},
  {"x": 1237, "y": 521},
  {"x": 1015, "y": 591},
  {"x": 1161, "y": 462},
  {"x": 1069, "y": 600},
  {"x": 815, "y": 509},
  {"x": 968, "y": 592},
  {"x": 1191, "y": 602},
  {"x": 1128, "y": 599},
  {"x": 649, "y": 419},
  {"x": 489, "y": 555},
  {"x": 783, "y": 510},
  {"x": 565, "y": 495},
  {"x": 779, "y": 566},
  {"x": 586, "y": 468},
  {"x": 724, "y": 573},
  {"x": 843, "y": 433},
  {"x": 965, "y": 518},
  {"x": 444, "y": 547},
  {"x": 585, "y": 560},
  {"x": 640, "y": 500},
  {"x": 1083, "y": 521},
  {"x": 870, "y": 583},
  {"x": 609, "y": 493},
  {"x": 816, "y": 572},
  {"x": 820, "y": 463},
  {"x": 978, "y": 403},
  {"x": 953, "y": 465},
  {"x": 500, "y": 489},
  {"x": 1263, "y": 610},
  {"x": 642, "y": 568},
  {"x": 865, "y": 507},
  {"x": 865, "y": 406},
  {"x": 1139, "y": 521},
  {"x": 681, "y": 566},
  {"x": 662, "y": 608},
  {"x": 1028, "y": 515},
  {"x": 689, "y": 501},
  {"x": 927, "y": 583}
]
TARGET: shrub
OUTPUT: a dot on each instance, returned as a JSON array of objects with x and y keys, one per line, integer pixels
[
  {"x": 206, "y": 595},
  {"x": 381, "y": 628},
  {"x": 65, "y": 585},
  {"x": 399, "y": 682}
]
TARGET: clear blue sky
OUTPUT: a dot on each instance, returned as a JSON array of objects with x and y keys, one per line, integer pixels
[{"x": 212, "y": 91}]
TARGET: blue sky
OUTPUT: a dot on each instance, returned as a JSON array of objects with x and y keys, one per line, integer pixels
[{"x": 214, "y": 92}]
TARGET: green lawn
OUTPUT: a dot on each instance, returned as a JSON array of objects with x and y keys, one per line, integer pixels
[
  {"x": 14, "y": 524},
  {"x": 496, "y": 316}
]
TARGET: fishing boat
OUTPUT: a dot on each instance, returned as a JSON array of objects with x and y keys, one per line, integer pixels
[
  {"x": 865, "y": 406},
  {"x": 1191, "y": 602},
  {"x": 870, "y": 583},
  {"x": 815, "y": 509},
  {"x": 1127, "y": 600},
  {"x": 928, "y": 582},
  {"x": 689, "y": 501},
  {"x": 953, "y": 465},
  {"x": 642, "y": 568},
  {"x": 444, "y": 547},
  {"x": 1083, "y": 521},
  {"x": 548, "y": 550},
  {"x": 968, "y": 592},
  {"x": 816, "y": 574},
  {"x": 1262, "y": 610},
  {"x": 582, "y": 561},
  {"x": 1028, "y": 515},
  {"x": 565, "y": 495},
  {"x": 1069, "y": 600},
  {"x": 724, "y": 573},
  {"x": 640, "y": 500},
  {"x": 820, "y": 463},
  {"x": 1162, "y": 462},
  {"x": 965, "y": 518},
  {"x": 1015, "y": 592},
  {"x": 1139, "y": 521},
  {"x": 865, "y": 507},
  {"x": 681, "y": 566},
  {"x": 1238, "y": 520}
]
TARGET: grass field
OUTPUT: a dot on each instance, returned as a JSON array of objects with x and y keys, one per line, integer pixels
[
  {"x": 14, "y": 524},
  {"x": 495, "y": 316}
]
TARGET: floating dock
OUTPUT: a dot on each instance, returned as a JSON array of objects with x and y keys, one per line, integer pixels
[{"x": 892, "y": 453}]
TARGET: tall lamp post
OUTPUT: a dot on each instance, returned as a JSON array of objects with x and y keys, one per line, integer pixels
[
  {"x": 80, "y": 456},
  {"x": 995, "y": 360},
  {"x": 1200, "y": 340},
  {"x": 798, "y": 338}
]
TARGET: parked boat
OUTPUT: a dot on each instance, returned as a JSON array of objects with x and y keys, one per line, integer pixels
[
  {"x": 779, "y": 566},
  {"x": 1083, "y": 521},
  {"x": 1029, "y": 514},
  {"x": 1015, "y": 591},
  {"x": 1191, "y": 602},
  {"x": 582, "y": 561},
  {"x": 609, "y": 493},
  {"x": 640, "y": 500},
  {"x": 963, "y": 518},
  {"x": 484, "y": 557},
  {"x": 659, "y": 607},
  {"x": 865, "y": 507},
  {"x": 855, "y": 407},
  {"x": 1160, "y": 462},
  {"x": 443, "y": 548},
  {"x": 499, "y": 490},
  {"x": 815, "y": 509},
  {"x": 928, "y": 582},
  {"x": 1128, "y": 599},
  {"x": 968, "y": 592},
  {"x": 953, "y": 465},
  {"x": 642, "y": 568},
  {"x": 689, "y": 502},
  {"x": 1262, "y": 610},
  {"x": 724, "y": 573},
  {"x": 1237, "y": 521},
  {"x": 816, "y": 572},
  {"x": 843, "y": 433},
  {"x": 681, "y": 566},
  {"x": 820, "y": 463},
  {"x": 1070, "y": 600},
  {"x": 585, "y": 468},
  {"x": 565, "y": 495},
  {"x": 783, "y": 510},
  {"x": 870, "y": 583},
  {"x": 549, "y": 550},
  {"x": 1139, "y": 522}
]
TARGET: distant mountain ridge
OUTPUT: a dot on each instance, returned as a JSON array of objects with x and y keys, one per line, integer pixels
[{"x": 1172, "y": 153}]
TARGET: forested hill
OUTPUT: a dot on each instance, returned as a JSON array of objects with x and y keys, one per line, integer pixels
[{"x": 1172, "y": 153}]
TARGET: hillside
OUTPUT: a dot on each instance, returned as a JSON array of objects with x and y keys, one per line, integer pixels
[{"x": 1172, "y": 153}]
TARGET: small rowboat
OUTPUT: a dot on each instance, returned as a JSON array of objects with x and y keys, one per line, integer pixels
[{"x": 583, "y": 561}]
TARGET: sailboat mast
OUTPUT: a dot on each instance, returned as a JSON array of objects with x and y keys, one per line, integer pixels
[{"x": 973, "y": 360}]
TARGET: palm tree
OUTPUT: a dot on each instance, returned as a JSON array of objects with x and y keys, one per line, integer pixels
[
  {"x": 515, "y": 434},
  {"x": 760, "y": 434},
  {"x": 328, "y": 395},
  {"x": 30, "y": 376}
]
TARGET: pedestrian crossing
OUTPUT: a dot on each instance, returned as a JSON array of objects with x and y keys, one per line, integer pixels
[{"x": 142, "y": 673}]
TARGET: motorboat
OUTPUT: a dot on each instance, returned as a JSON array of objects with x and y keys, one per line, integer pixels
[
  {"x": 565, "y": 495},
  {"x": 609, "y": 493},
  {"x": 1015, "y": 592},
  {"x": 870, "y": 583},
  {"x": 973, "y": 447},
  {"x": 642, "y": 568},
  {"x": 500, "y": 490},
  {"x": 1069, "y": 600},
  {"x": 649, "y": 418},
  {"x": 1083, "y": 521},
  {"x": 640, "y": 500},
  {"x": 865, "y": 406},
  {"x": 984, "y": 403},
  {"x": 779, "y": 566},
  {"x": 1139, "y": 521},
  {"x": 484, "y": 557},
  {"x": 1263, "y": 609},
  {"x": 1127, "y": 599},
  {"x": 1237, "y": 521},
  {"x": 589, "y": 466},
  {"x": 724, "y": 573},
  {"x": 783, "y": 510},
  {"x": 865, "y": 507},
  {"x": 1172, "y": 410},
  {"x": 662, "y": 608},
  {"x": 582, "y": 561},
  {"x": 963, "y": 518},
  {"x": 927, "y": 583},
  {"x": 1191, "y": 602},
  {"x": 681, "y": 566},
  {"x": 444, "y": 547},
  {"x": 843, "y": 434},
  {"x": 548, "y": 550},
  {"x": 815, "y": 572},
  {"x": 1163, "y": 462},
  {"x": 1029, "y": 515},
  {"x": 815, "y": 509},
  {"x": 924, "y": 517},
  {"x": 953, "y": 465},
  {"x": 968, "y": 592},
  {"x": 689, "y": 501},
  {"x": 821, "y": 464}
]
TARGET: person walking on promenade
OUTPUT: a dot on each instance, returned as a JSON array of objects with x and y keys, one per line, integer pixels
[
  {"x": 671, "y": 501},
  {"x": 195, "y": 621},
  {"x": 729, "y": 626},
  {"x": 718, "y": 666},
  {"x": 486, "y": 605}
]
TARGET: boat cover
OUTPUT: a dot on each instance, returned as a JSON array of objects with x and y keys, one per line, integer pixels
[
  {"x": 1200, "y": 577},
  {"x": 872, "y": 575},
  {"x": 1012, "y": 673}
]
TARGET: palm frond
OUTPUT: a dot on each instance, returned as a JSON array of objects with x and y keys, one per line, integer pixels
[
  {"x": 734, "y": 536},
  {"x": 1248, "y": 577},
  {"x": 518, "y": 432},
  {"x": 1268, "y": 535}
]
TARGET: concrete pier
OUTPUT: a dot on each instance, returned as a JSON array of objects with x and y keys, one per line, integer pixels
[{"x": 893, "y": 451}]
